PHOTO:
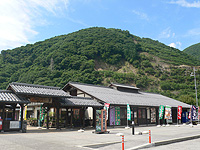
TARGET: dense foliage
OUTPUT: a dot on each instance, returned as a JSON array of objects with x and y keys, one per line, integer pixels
[
  {"x": 100, "y": 56},
  {"x": 193, "y": 50}
]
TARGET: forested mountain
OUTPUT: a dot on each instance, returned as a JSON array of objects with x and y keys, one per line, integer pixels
[
  {"x": 99, "y": 56},
  {"x": 193, "y": 50}
]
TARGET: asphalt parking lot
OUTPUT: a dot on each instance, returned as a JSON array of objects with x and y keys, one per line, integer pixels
[{"x": 73, "y": 140}]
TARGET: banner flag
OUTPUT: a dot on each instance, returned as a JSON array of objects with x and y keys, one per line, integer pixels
[
  {"x": 161, "y": 111},
  {"x": 189, "y": 116},
  {"x": 179, "y": 112},
  {"x": 128, "y": 112},
  {"x": 25, "y": 113},
  {"x": 167, "y": 112},
  {"x": 194, "y": 113},
  {"x": 198, "y": 112},
  {"x": 106, "y": 107}
]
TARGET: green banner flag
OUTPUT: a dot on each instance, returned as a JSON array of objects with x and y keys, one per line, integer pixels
[
  {"x": 161, "y": 111},
  {"x": 128, "y": 112}
]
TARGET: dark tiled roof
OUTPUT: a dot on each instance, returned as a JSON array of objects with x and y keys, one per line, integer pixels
[
  {"x": 8, "y": 97},
  {"x": 37, "y": 90},
  {"x": 79, "y": 101},
  {"x": 115, "y": 97}
]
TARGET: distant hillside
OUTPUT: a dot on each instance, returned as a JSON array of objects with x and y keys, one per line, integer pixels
[
  {"x": 193, "y": 50},
  {"x": 99, "y": 56}
]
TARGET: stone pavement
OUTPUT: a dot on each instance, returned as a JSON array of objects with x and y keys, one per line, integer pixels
[{"x": 74, "y": 140}]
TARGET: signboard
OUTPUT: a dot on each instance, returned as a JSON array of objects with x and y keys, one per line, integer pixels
[
  {"x": 153, "y": 115},
  {"x": 112, "y": 115},
  {"x": 179, "y": 112},
  {"x": 168, "y": 112},
  {"x": 76, "y": 113},
  {"x": 103, "y": 120},
  {"x": 41, "y": 100},
  {"x": 117, "y": 115},
  {"x": 161, "y": 111},
  {"x": 14, "y": 124},
  {"x": 98, "y": 120},
  {"x": 128, "y": 112},
  {"x": 194, "y": 113}
]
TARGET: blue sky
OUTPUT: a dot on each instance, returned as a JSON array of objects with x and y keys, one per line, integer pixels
[{"x": 172, "y": 22}]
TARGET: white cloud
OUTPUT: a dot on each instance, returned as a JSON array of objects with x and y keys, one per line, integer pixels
[
  {"x": 141, "y": 15},
  {"x": 18, "y": 19},
  {"x": 184, "y": 3},
  {"x": 193, "y": 32},
  {"x": 176, "y": 45},
  {"x": 166, "y": 33}
]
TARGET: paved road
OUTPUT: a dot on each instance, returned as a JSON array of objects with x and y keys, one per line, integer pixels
[
  {"x": 186, "y": 145},
  {"x": 64, "y": 139}
]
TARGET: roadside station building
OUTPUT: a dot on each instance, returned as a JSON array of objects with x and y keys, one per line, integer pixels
[
  {"x": 144, "y": 106},
  {"x": 75, "y": 105}
]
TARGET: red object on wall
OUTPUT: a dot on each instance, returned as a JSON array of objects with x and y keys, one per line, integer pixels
[{"x": 1, "y": 124}]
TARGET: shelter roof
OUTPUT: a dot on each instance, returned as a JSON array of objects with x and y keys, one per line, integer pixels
[
  {"x": 79, "y": 101},
  {"x": 8, "y": 96},
  {"x": 37, "y": 90}
]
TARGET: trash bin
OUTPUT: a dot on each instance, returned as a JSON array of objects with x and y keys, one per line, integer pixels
[{"x": 24, "y": 126}]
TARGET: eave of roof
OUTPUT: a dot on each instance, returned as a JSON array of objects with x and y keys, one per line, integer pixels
[{"x": 37, "y": 90}]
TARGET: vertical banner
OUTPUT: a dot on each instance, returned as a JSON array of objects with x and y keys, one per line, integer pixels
[
  {"x": 112, "y": 115},
  {"x": 117, "y": 115},
  {"x": 179, "y": 112},
  {"x": 25, "y": 113},
  {"x": 161, "y": 111},
  {"x": 194, "y": 113},
  {"x": 198, "y": 112},
  {"x": 128, "y": 112},
  {"x": 167, "y": 112},
  {"x": 106, "y": 107},
  {"x": 20, "y": 109}
]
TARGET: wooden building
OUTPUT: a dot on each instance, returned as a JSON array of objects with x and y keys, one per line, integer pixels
[{"x": 144, "y": 106}]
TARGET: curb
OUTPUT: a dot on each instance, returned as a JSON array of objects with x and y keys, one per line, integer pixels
[{"x": 165, "y": 142}]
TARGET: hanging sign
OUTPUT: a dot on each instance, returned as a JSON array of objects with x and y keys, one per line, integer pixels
[
  {"x": 128, "y": 112},
  {"x": 179, "y": 112},
  {"x": 194, "y": 113},
  {"x": 161, "y": 111},
  {"x": 167, "y": 112},
  {"x": 117, "y": 115}
]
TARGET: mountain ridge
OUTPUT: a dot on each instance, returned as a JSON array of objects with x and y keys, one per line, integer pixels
[{"x": 99, "y": 56}]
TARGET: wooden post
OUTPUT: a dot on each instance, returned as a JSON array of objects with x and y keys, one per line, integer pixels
[
  {"x": 22, "y": 110},
  {"x": 13, "y": 114},
  {"x": 94, "y": 118},
  {"x": 57, "y": 120},
  {"x": 71, "y": 118},
  {"x": 48, "y": 117},
  {"x": 3, "y": 117},
  {"x": 66, "y": 118},
  {"x": 84, "y": 117}
]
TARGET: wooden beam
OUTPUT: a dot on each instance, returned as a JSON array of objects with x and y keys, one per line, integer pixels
[
  {"x": 3, "y": 117},
  {"x": 57, "y": 120}
]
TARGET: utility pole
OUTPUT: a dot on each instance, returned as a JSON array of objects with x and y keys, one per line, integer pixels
[{"x": 193, "y": 74}]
